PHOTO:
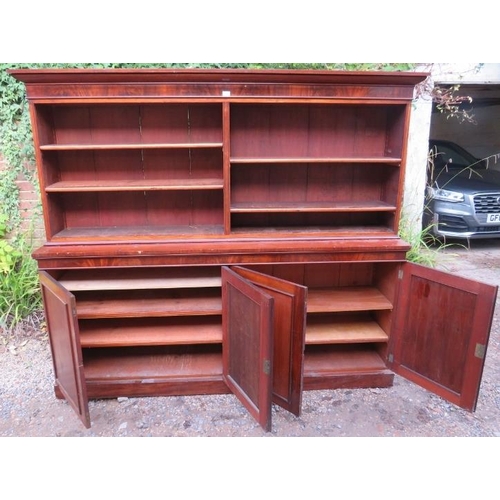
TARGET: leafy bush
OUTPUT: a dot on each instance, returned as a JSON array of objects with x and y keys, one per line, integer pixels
[{"x": 19, "y": 288}]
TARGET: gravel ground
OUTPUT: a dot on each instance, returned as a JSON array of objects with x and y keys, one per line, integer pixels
[{"x": 28, "y": 407}]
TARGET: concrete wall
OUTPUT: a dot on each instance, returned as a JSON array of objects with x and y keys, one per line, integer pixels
[
  {"x": 416, "y": 162},
  {"x": 481, "y": 138}
]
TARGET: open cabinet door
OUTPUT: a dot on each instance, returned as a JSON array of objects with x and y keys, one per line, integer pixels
[
  {"x": 60, "y": 312},
  {"x": 288, "y": 336},
  {"x": 247, "y": 344},
  {"x": 441, "y": 330}
]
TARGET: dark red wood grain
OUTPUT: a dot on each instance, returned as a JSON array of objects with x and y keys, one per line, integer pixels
[{"x": 441, "y": 321}]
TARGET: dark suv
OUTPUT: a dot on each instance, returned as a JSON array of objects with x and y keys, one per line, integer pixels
[{"x": 463, "y": 193}]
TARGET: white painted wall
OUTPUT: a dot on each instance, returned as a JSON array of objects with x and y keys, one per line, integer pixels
[{"x": 416, "y": 161}]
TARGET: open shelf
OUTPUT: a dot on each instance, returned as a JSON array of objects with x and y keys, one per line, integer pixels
[
  {"x": 343, "y": 329},
  {"x": 145, "y": 232},
  {"x": 149, "y": 303},
  {"x": 304, "y": 231},
  {"x": 316, "y": 130},
  {"x": 152, "y": 363},
  {"x": 100, "y": 212},
  {"x": 346, "y": 299},
  {"x": 342, "y": 359},
  {"x": 140, "y": 279},
  {"x": 150, "y": 331},
  {"x": 345, "y": 366}
]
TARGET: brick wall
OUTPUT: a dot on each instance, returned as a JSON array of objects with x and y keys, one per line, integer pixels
[{"x": 29, "y": 207}]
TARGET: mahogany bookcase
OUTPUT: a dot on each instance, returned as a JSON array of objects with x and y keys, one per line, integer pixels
[{"x": 214, "y": 231}]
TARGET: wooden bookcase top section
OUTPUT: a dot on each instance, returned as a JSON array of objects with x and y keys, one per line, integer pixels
[
  {"x": 164, "y": 155},
  {"x": 76, "y": 84}
]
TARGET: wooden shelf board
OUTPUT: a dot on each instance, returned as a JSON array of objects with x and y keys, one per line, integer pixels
[
  {"x": 300, "y": 207},
  {"x": 143, "y": 306},
  {"x": 134, "y": 185},
  {"x": 124, "y": 146},
  {"x": 151, "y": 364},
  {"x": 341, "y": 359},
  {"x": 346, "y": 299},
  {"x": 150, "y": 331},
  {"x": 141, "y": 279},
  {"x": 367, "y": 160},
  {"x": 322, "y": 231},
  {"x": 343, "y": 329},
  {"x": 130, "y": 232}
]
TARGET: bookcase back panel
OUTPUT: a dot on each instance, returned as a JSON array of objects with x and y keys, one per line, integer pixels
[
  {"x": 285, "y": 131},
  {"x": 96, "y": 124},
  {"x": 177, "y": 209},
  {"x": 139, "y": 208},
  {"x": 182, "y": 164},
  {"x": 132, "y": 165},
  {"x": 323, "y": 275},
  {"x": 313, "y": 183},
  {"x": 74, "y": 166},
  {"x": 102, "y": 124},
  {"x": 182, "y": 123},
  {"x": 313, "y": 222}
]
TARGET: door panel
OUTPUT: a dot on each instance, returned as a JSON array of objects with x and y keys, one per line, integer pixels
[
  {"x": 65, "y": 345},
  {"x": 288, "y": 327},
  {"x": 247, "y": 344},
  {"x": 440, "y": 332}
]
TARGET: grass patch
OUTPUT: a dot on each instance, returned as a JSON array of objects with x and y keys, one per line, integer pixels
[
  {"x": 20, "y": 294},
  {"x": 425, "y": 247}
]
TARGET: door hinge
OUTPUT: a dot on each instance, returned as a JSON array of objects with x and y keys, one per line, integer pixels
[
  {"x": 390, "y": 358},
  {"x": 400, "y": 274},
  {"x": 267, "y": 367},
  {"x": 480, "y": 351}
]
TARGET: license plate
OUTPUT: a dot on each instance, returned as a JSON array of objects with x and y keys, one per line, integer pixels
[{"x": 493, "y": 218}]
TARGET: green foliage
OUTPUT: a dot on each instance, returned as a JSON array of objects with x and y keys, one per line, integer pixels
[
  {"x": 8, "y": 254},
  {"x": 19, "y": 289},
  {"x": 16, "y": 143},
  {"x": 425, "y": 247}
]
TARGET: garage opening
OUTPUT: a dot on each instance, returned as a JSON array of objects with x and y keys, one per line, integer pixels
[{"x": 463, "y": 183}]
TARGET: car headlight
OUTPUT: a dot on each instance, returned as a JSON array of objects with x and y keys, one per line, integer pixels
[{"x": 446, "y": 195}]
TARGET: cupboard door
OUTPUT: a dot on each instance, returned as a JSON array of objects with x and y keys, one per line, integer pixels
[
  {"x": 288, "y": 327},
  {"x": 247, "y": 344},
  {"x": 60, "y": 312},
  {"x": 441, "y": 331}
]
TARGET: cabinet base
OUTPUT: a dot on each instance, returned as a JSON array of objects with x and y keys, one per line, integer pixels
[
  {"x": 339, "y": 381},
  {"x": 110, "y": 390}
]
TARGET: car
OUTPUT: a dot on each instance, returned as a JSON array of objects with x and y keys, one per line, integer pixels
[{"x": 463, "y": 193}]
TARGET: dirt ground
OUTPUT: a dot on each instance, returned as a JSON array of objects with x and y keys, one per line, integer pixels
[{"x": 28, "y": 407}]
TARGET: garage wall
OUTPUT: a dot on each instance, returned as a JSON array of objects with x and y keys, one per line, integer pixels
[
  {"x": 481, "y": 138},
  {"x": 482, "y": 83}
]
